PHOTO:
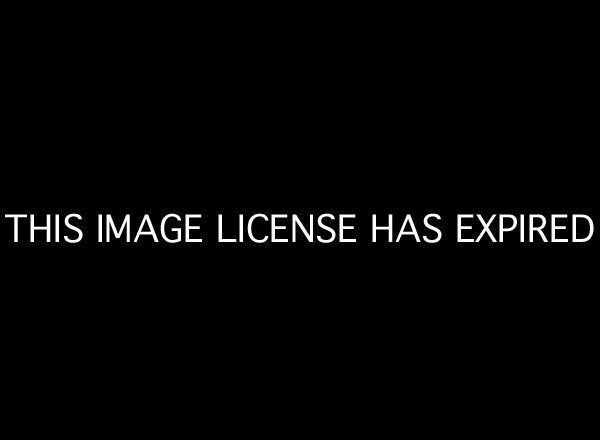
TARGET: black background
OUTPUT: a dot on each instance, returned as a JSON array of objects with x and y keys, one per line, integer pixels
[{"x": 386, "y": 112}]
